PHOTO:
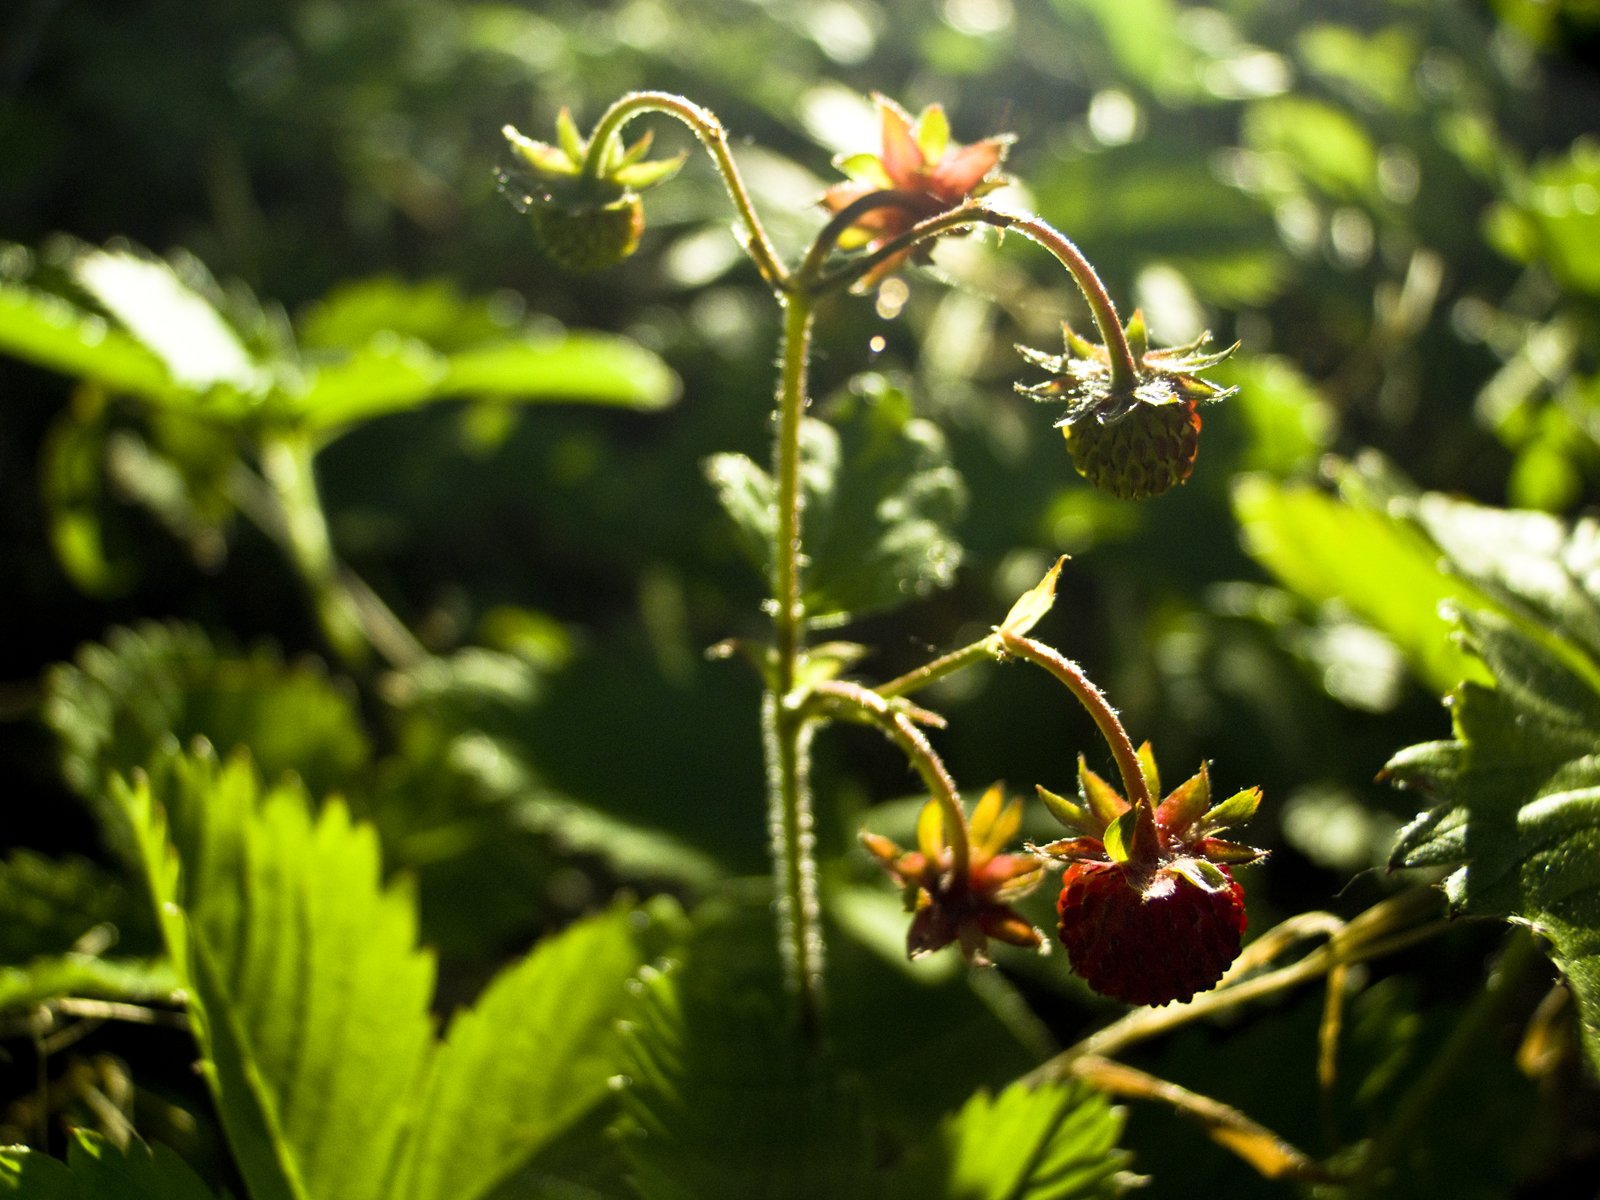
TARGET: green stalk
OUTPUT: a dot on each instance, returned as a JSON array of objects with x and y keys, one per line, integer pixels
[
  {"x": 708, "y": 129},
  {"x": 1098, "y": 707},
  {"x": 287, "y": 466},
  {"x": 786, "y": 726}
]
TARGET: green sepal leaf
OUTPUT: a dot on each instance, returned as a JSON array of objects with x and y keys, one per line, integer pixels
[
  {"x": 1057, "y": 1141},
  {"x": 1235, "y": 810},
  {"x": 1186, "y": 803},
  {"x": 1033, "y": 604},
  {"x": 1102, "y": 800},
  {"x": 1073, "y": 815},
  {"x": 1119, "y": 835},
  {"x": 1147, "y": 767}
]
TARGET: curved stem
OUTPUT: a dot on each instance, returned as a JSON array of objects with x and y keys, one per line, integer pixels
[
  {"x": 708, "y": 129},
  {"x": 1098, "y": 707},
  {"x": 868, "y": 705},
  {"x": 945, "y": 664},
  {"x": 828, "y": 236},
  {"x": 1124, "y": 367}
]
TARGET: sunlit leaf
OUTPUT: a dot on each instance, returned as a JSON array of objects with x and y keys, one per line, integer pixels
[
  {"x": 722, "y": 1095},
  {"x": 307, "y": 992},
  {"x": 51, "y": 332},
  {"x": 154, "y": 686},
  {"x": 1376, "y": 565},
  {"x": 532, "y": 1057},
  {"x": 1515, "y": 794},
  {"x": 1057, "y": 1141}
]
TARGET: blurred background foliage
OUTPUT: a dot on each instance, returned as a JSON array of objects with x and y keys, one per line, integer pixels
[{"x": 1395, "y": 206}]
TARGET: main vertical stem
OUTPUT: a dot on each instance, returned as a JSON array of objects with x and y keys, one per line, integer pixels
[{"x": 786, "y": 729}]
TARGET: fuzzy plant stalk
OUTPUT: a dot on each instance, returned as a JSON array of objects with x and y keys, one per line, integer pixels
[{"x": 583, "y": 196}]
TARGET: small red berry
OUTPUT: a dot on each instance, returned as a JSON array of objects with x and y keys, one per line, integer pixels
[{"x": 1152, "y": 940}]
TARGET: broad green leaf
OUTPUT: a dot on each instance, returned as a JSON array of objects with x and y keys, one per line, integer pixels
[
  {"x": 51, "y": 332},
  {"x": 722, "y": 1096},
  {"x": 1515, "y": 794},
  {"x": 881, "y": 499},
  {"x": 136, "y": 1172},
  {"x": 153, "y": 686},
  {"x": 97, "y": 1170},
  {"x": 1553, "y": 217},
  {"x": 307, "y": 991},
  {"x": 386, "y": 374},
  {"x": 1366, "y": 558},
  {"x": 1057, "y": 1141},
  {"x": 33, "y": 1175},
  {"x": 196, "y": 345},
  {"x": 529, "y": 1060}
]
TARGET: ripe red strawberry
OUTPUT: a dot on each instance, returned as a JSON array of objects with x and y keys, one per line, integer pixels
[
  {"x": 1153, "y": 938},
  {"x": 1149, "y": 912}
]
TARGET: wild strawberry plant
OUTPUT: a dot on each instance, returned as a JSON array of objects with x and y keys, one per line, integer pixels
[{"x": 715, "y": 1049}]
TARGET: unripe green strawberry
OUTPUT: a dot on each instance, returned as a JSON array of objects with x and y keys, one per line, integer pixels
[
  {"x": 1145, "y": 452},
  {"x": 582, "y": 194},
  {"x": 588, "y": 238},
  {"x": 1132, "y": 425},
  {"x": 1149, "y": 937}
]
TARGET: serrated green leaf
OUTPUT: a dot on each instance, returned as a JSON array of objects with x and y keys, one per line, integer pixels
[
  {"x": 531, "y": 1058},
  {"x": 307, "y": 991},
  {"x": 880, "y": 500},
  {"x": 722, "y": 1096},
  {"x": 1516, "y": 797},
  {"x": 196, "y": 345},
  {"x": 1057, "y": 1141},
  {"x": 152, "y": 686},
  {"x": 1369, "y": 559}
]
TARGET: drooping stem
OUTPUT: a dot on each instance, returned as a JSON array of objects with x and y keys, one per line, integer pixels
[
  {"x": 708, "y": 129},
  {"x": 1124, "y": 368},
  {"x": 851, "y": 699},
  {"x": 1097, "y": 706},
  {"x": 786, "y": 725}
]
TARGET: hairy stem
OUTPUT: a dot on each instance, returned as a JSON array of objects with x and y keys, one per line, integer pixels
[
  {"x": 1097, "y": 706},
  {"x": 1124, "y": 367},
  {"x": 867, "y": 705},
  {"x": 787, "y": 727},
  {"x": 708, "y": 129}
]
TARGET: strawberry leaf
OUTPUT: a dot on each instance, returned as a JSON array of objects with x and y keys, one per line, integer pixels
[
  {"x": 98, "y": 1170},
  {"x": 1516, "y": 791},
  {"x": 1054, "y": 1142},
  {"x": 307, "y": 991}
]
